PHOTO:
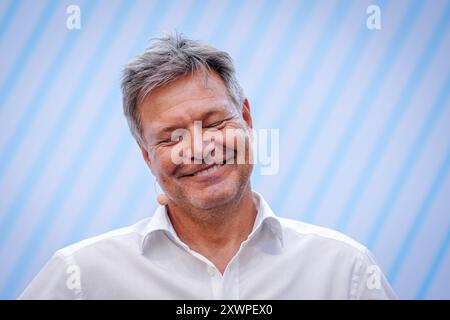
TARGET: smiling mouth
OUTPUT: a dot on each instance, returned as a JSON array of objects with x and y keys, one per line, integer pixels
[{"x": 207, "y": 171}]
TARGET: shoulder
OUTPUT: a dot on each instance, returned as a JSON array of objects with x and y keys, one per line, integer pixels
[
  {"x": 129, "y": 237},
  {"x": 338, "y": 258},
  {"x": 297, "y": 232}
]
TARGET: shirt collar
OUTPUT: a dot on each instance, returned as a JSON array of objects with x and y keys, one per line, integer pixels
[{"x": 265, "y": 216}]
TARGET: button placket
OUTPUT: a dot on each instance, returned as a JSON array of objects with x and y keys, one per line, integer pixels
[
  {"x": 230, "y": 281},
  {"x": 210, "y": 270},
  {"x": 216, "y": 281}
]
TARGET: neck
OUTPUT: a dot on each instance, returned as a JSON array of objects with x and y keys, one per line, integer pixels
[{"x": 220, "y": 237}]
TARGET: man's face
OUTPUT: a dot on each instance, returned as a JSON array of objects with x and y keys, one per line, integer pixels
[{"x": 180, "y": 105}]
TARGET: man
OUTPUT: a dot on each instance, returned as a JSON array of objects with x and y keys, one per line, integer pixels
[{"x": 212, "y": 237}]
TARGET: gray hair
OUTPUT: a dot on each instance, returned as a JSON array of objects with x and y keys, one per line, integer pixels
[{"x": 165, "y": 60}]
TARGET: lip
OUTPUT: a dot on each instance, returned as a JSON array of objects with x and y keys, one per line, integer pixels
[
  {"x": 206, "y": 176},
  {"x": 199, "y": 168},
  {"x": 204, "y": 166}
]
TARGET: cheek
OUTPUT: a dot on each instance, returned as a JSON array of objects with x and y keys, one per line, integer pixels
[
  {"x": 162, "y": 163},
  {"x": 236, "y": 138}
]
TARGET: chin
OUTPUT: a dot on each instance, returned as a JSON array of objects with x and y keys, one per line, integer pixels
[
  {"x": 213, "y": 198},
  {"x": 225, "y": 190}
]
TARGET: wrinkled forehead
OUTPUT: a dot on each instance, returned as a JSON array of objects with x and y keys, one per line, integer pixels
[
  {"x": 186, "y": 99},
  {"x": 198, "y": 86}
]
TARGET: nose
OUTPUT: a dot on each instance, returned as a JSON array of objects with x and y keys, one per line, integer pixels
[
  {"x": 197, "y": 142},
  {"x": 203, "y": 144}
]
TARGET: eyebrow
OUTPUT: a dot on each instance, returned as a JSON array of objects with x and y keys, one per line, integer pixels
[{"x": 168, "y": 129}]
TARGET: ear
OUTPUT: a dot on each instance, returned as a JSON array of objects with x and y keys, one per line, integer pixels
[
  {"x": 246, "y": 113},
  {"x": 145, "y": 155}
]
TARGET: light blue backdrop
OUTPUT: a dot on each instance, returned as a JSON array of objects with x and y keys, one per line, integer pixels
[{"x": 364, "y": 119}]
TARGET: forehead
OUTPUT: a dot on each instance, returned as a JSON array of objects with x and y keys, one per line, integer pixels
[
  {"x": 188, "y": 98},
  {"x": 198, "y": 85}
]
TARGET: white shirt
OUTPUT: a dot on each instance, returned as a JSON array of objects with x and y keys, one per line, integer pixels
[{"x": 281, "y": 259}]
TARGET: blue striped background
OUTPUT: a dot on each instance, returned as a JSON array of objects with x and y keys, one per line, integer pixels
[{"x": 364, "y": 119}]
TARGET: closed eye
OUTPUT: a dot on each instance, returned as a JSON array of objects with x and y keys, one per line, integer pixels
[
  {"x": 170, "y": 142},
  {"x": 218, "y": 123}
]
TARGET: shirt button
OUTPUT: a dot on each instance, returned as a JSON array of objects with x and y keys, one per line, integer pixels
[{"x": 210, "y": 270}]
